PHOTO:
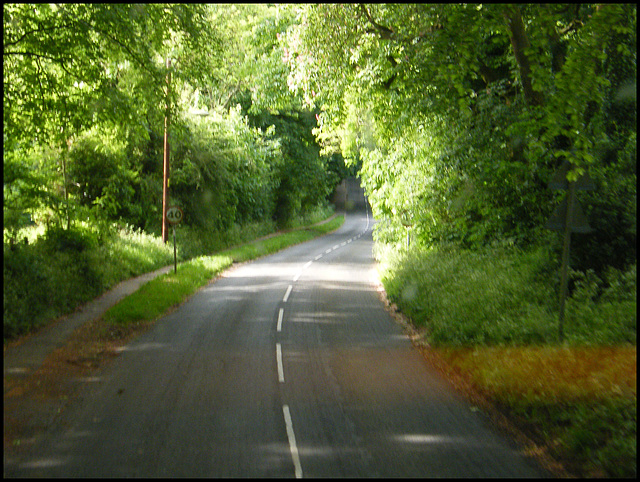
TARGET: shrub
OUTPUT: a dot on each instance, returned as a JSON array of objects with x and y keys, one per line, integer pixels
[
  {"x": 66, "y": 268},
  {"x": 69, "y": 240},
  {"x": 26, "y": 283},
  {"x": 503, "y": 295},
  {"x": 603, "y": 311}
]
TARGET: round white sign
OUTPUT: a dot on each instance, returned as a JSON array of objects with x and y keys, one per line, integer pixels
[{"x": 174, "y": 215}]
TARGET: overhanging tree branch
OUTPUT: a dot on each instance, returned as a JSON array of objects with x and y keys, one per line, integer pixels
[
  {"x": 38, "y": 30},
  {"x": 33, "y": 54},
  {"x": 125, "y": 47},
  {"x": 520, "y": 44},
  {"x": 384, "y": 32}
]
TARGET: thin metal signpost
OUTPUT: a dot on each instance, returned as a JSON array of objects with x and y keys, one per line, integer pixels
[
  {"x": 567, "y": 218},
  {"x": 174, "y": 216},
  {"x": 175, "y": 255}
]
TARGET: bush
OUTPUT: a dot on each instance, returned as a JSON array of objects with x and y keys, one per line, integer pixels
[
  {"x": 48, "y": 278},
  {"x": 502, "y": 295},
  {"x": 66, "y": 268},
  {"x": 466, "y": 298},
  {"x": 26, "y": 283},
  {"x": 69, "y": 240},
  {"x": 603, "y": 311}
]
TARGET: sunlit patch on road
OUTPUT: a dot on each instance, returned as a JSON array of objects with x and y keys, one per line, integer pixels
[
  {"x": 43, "y": 463},
  {"x": 141, "y": 347}
]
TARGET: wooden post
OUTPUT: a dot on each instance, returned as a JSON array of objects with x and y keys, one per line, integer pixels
[
  {"x": 165, "y": 177},
  {"x": 567, "y": 218}
]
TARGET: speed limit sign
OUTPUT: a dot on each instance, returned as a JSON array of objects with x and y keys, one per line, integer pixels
[{"x": 174, "y": 215}]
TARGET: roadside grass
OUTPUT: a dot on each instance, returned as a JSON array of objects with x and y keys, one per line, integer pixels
[
  {"x": 57, "y": 271},
  {"x": 157, "y": 296},
  {"x": 492, "y": 316},
  {"x": 579, "y": 402}
]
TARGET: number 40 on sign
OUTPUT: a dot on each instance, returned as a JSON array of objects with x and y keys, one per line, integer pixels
[{"x": 174, "y": 215}]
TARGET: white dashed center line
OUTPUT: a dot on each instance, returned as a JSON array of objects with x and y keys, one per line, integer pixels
[
  {"x": 293, "y": 448},
  {"x": 279, "y": 363},
  {"x": 286, "y": 295},
  {"x": 280, "y": 316},
  {"x": 292, "y": 441}
]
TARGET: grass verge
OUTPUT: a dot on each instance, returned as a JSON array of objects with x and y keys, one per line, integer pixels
[
  {"x": 578, "y": 403},
  {"x": 491, "y": 315},
  {"x": 161, "y": 294}
]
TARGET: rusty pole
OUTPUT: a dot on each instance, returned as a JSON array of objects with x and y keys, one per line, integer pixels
[{"x": 165, "y": 177}]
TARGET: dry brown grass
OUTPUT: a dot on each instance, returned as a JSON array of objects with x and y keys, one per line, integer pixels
[
  {"x": 576, "y": 404},
  {"x": 546, "y": 373}
]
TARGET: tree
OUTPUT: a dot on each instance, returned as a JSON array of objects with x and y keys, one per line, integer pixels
[
  {"x": 70, "y": 67},
  {"x": 259, "y": 80},
  {"x": 461, "y": 113}
]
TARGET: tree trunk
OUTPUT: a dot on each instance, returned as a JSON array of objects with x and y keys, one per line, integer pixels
[{"x": 520, "y": 43}]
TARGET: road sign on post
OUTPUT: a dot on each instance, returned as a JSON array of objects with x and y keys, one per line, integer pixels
[
  {"x": 174, "y": 216},
  {"x": 568, "y": 218}
]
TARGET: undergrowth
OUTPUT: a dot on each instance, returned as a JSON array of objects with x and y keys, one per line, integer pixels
[
  {"x": 493, "y": 315},
  {"x": 160, "y": 294},
  {"x": 53, "y": 273},
  {"x": 63, "y": 269},
  {"x": 507, "y": 296}
]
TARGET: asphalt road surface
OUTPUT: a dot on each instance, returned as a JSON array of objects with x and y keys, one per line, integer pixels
[{"x": 288, "y": 366}]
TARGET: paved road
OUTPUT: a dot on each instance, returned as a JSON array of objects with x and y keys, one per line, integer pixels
[{"x": 286, "y": 367}]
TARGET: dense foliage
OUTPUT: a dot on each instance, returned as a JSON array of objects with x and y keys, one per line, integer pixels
[
  {"x": 87, "y": 91},
  {"x": 455, "y": 116},
  {"x": 461, "y": 114}
]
